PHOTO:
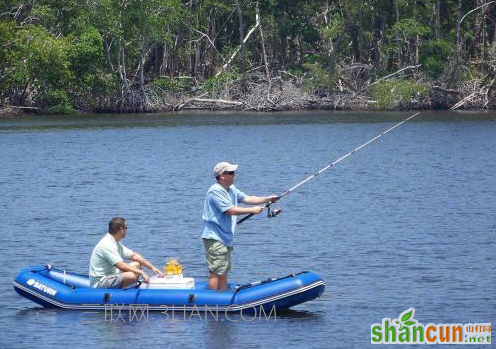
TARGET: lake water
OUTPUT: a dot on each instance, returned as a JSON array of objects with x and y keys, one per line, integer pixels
[{"x": 407, "y": 222}]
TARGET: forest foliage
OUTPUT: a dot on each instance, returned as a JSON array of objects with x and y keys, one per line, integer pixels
[{"x": 149, "y": 55}]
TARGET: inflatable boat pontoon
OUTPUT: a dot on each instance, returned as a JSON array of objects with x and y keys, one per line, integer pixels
[{"x": 60, "y": 289}]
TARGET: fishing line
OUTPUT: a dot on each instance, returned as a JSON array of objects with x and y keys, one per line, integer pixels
[{"x": 329, "y": 166}]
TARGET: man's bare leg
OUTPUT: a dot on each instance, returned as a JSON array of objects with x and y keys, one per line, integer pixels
[
  {"x": 128, "y": 277},
  {"x": 217, "y": 282}
]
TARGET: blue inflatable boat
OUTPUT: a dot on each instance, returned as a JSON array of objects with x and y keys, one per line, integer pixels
[{"x": 57, "y": 288}]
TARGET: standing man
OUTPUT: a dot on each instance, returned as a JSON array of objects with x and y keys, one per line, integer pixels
[
  {"x": 107, "y": 266},
  {"x": 219, "y": 216}
]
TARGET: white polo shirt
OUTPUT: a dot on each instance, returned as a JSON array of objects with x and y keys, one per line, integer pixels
[{"x": 105, "y": 254}]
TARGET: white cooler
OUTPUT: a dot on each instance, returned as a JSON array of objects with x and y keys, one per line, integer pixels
[{"x": 169, "y": 283}]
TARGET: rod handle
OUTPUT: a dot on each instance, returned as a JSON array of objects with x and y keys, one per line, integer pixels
[
  {"x": 245, "y": 218},
  {"x": 248, "y": 216},
  {"x": 265, "y": 206}
]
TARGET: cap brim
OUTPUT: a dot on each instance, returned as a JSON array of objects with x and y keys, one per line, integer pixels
[{"x": 231, "y": 168}]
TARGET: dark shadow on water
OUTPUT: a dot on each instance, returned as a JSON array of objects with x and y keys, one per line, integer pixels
[
  {"x": 40, "y": 312},
  {"x": 35, "y": 310},
  {"x": 299, "y": 314},
  {"x": 39, "y": 315}
]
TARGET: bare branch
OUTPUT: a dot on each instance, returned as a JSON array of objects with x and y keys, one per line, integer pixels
[
  {"x": 391, "y": 75},
  {"x": 211, "y": 43},
  {"x": 475, "y": 9}
]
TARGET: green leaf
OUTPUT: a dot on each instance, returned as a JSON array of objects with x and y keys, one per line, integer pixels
[
  {"x": 406, "y": 316},
  {"x": 410, "y": 323}
]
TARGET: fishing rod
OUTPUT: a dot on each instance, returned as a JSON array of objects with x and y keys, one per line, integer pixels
[{"x": 275, "y": 212}]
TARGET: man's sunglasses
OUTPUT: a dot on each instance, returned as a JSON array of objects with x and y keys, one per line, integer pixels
[{"x": 231, "y": 173}]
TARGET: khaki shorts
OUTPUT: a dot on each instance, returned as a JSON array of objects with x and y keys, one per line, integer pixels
[
  {"x": 218, "y": 256},
  {"x": 111, "y": 281}
]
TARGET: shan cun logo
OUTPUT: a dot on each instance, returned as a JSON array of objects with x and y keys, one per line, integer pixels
[
  {"x": 406, "y": 330},
  {"x": 41, "y": 287}
]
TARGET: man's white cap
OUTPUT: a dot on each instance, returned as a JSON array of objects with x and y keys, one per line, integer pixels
[{"x": 222, "y": 167}]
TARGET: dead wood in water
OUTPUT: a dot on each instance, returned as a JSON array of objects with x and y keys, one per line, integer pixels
[{"x": 447, "y": 90}]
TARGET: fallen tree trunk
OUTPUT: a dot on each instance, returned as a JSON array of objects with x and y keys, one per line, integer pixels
[
  {"x": 25, "y": 108},
  {"x": 207, "y": 100},
  {"x": 463, "y": 101},
  {"x": 217, "y": 101}
]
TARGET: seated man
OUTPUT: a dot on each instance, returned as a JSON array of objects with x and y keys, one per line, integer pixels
[{"x": 107, "y": 266}]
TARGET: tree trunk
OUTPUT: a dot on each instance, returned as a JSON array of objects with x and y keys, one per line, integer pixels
[
  {"x": 478, "y": 26},
  {"x": 458, "y": 24},
  {"x": 267, "y": 70},
  {"x": 355, "y": 41},
  {"x": 455, "y": 73},
  {"x": 165, "y": 58},
  {"x": 141, "y": 74},
  {"x": 398, "y": 38},
  {"x": 376, "y": 55},
  {"x": 417, "y": 46},
  {"x": 123, "y": 69},
  {"x": 242, "y": 57},
  {"x": 107, "y": 52},
  {"x": 360, "y": 35},
  {"x": 436, "y": 6},
  {"x": 123, "y": 76}
]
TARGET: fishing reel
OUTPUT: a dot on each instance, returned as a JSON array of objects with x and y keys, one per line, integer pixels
[{"x": 273, "y": 213}]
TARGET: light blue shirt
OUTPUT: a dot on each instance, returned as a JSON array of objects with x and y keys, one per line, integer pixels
[{"x": 219, "y": 225}]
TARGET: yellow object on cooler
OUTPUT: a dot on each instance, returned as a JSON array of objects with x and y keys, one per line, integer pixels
[{"x": 173, "y": 268}]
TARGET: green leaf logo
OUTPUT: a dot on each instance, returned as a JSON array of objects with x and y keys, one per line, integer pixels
[{"x": 407, "y": 316}]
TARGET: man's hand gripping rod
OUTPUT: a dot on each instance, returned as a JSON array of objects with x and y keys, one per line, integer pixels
[{"x": 328, "y": 167}]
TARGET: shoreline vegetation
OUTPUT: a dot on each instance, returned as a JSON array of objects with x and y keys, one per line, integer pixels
[{"x": 169, "y": 55}]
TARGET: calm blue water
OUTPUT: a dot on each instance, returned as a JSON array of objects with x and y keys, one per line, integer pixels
[{"x": 409, "y": 221}]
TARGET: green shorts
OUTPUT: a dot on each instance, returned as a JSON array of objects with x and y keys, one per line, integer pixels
[{"x": 218, "y": 256}]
